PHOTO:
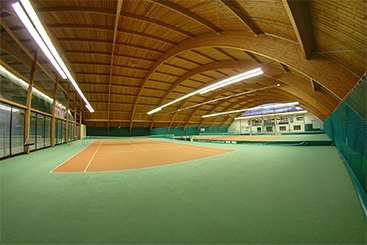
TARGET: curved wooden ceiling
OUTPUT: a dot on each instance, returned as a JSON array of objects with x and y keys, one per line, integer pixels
[{"x": 130, "y": 57}]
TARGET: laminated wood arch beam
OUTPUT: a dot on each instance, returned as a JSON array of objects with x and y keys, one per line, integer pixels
[
  {"x": 284, "y": 92},
  {"x": 112, "y": 12},
  {"x": 201, "y": 69},
  {"x": 117, "y": 19},
  {"x": 299, "y": 15},
  {"x": 265, "y": 99},
  {"x": 188, "y": 121},
  {"x": 249, "y": 105},
  {"x": 299, "y": 85},
  {"x": 102, "y": 28},
  {"x": 240, "y": 13},
  {"x": 231, "y": 119},
  {"x": 333, "y": 77},
  {"x": 218, "y": 94},
  {"x": 187, "y": 13}
]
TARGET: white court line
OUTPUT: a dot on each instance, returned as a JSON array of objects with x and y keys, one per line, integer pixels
[
  {"x": 85, "y": 170},
  {"x": 199, "y": 148},
  {"x": 71, "y": 157},
  {"x": 138, "y": 147},
  {"x": 167, "y": 148}
]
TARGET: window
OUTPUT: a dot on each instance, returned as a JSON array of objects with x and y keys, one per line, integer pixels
[
  {"x": 297, "y": 127},
  {"x": 11, "y": 130},
  {"x": 77, "y": 132},
  {"x": 63, "y": 131},
  {"x": 291, "y": 119},
  {"x": 70, "y": 131},
  {"x": 269, "y": 121},
  {"x": 283, "y": 120},
  {"x": 256, "y": 122},
  {"x": 5, "y": 115},
  {"x": 282, "y": 128},
  {"x": 32, "y": 132},
  {"x": 17, "y": 131},
  {"x": 40, "y": 131},
  {"x": 299, "y": 118},
  {"x": 48, "y": 131}
]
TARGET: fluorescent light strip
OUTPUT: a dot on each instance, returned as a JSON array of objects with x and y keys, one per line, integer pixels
[
  {"x": 250, "y": 109},
  {"x": 65, "y": 73},
  {"x": 223, "y": 98},
  {"x": 275, "y": 114},
  {"x": 11, "y": 76},
  {"x": 235, "y": 79},
  {"x": 7, "y": 108},
  {"x": 32, "y": 14},
  {"x": 274, "y": 106},
  {"x": 223, "y": 83},
  {"x": 154, "y": 111},
  {"x": 23, "y": 17},
  {"x": 25, "y": 85}
]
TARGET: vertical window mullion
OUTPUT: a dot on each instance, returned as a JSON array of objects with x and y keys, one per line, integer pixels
[
  {"x": 10, "y": 131},
  {"x": 35, "y": 134}
]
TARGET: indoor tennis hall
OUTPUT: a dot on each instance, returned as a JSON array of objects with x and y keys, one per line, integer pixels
[{"x": 183, "y": 122}]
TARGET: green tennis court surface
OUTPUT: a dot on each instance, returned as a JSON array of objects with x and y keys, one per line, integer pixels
[
  {"x": 258, "y": 194},
  {"x": 305, "y": 137}
]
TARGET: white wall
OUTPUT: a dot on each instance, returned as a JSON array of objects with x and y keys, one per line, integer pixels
[
  {"x": 84, "y": 131},
  {"x": 316, "y": 122},
  {"x": 244, "y": 125},
  {"x": 235, "y": 127}
]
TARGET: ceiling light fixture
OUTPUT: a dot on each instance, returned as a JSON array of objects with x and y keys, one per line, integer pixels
[
  {"x": 274, "y": 114},
  {"x": 24, "y": 18},
  {"x": 225, "y": 82},
  {"x": 58, "y": 63},
  {"x": 4, "y": 72},
  {"x": 234, "y": 79},
  {"x": 250, "y": 109},
  {"x": 7, "y": 108},
  {"x": 224, "y": 98}
]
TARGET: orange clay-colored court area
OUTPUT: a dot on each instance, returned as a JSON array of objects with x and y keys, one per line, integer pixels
[{"x": 121, "y": 154}]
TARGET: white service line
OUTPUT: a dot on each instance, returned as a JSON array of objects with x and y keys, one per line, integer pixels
[
  {"x": 201, "y": 149},
  {"x": 167, "y": 148},
  {"x": 86, "y": 168},
  {"x": 71, "y": 157},
  {"x": 138, "y": 147}
]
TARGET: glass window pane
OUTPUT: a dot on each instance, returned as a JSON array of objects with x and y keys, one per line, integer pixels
[
  {"x": 48, "y": 132},
  {"x": 41, "y": 102},
  {"x": 77, "y": 132},
  {"x": 4, "y": 130},
  {"x": 43, "y": 81},
  {"x": 32, "y": 131},
  {"x": 56, "y": 131},
  {"x": 11, "y": 89},
  {"x": 70, "y": 116},
  {"x": 63, "y": 131},
  {"x": 17, "y": 131},
  {"x": 40, "y": 131},
  {"x": 59, "y": 131},
  {"x": 61, "y": 96},
  {"x": 70, "y": 132}
]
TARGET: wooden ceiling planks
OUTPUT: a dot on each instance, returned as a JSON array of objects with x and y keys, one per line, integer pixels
[
  {"x": 143, "y": 76},
  {"x": 340, "y": 32}
]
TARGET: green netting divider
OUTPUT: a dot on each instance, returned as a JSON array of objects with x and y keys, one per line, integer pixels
[{"x": 347, "y": 127}]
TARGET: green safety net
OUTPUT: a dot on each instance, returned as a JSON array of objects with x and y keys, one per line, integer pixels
[{"x": 347, "y": 126}]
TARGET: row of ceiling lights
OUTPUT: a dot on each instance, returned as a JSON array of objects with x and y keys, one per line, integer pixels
[
  {"x": 39, "y": 34},
  {"x": 37, "y": 31}
]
